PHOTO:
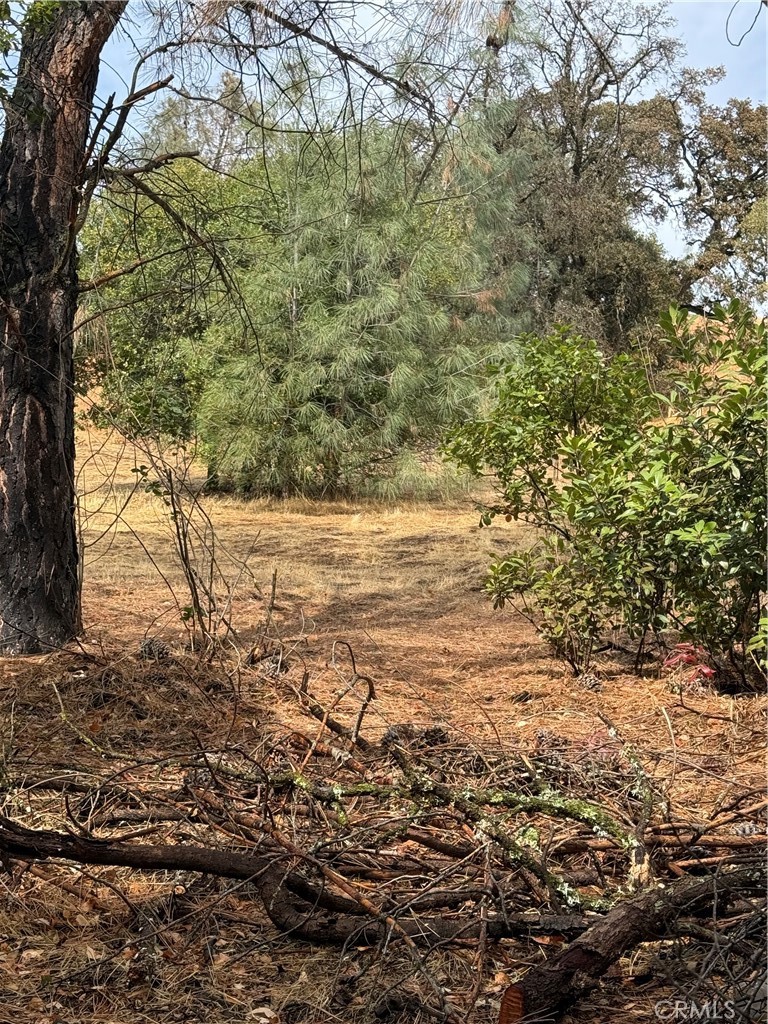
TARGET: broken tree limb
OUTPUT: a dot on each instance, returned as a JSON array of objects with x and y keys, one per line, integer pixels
[
  {"x": 553, "y": 986},
  {"x": 293, "y": 905},
  {"x": 41, "y": 844}
]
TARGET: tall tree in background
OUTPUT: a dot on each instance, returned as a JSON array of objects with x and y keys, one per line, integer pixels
[
  {"x": 367, "y": 302},
  {"x": 722, "y": 203},
  {"x": 375, "y": 322},
  {"x": 621, "y": 137},
  {"x": 569, "y": 92}
]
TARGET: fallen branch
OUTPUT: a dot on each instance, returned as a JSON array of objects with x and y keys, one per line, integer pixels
[
  {"x": 555, "y": 985},
  {"x": 292, "y": 904}
]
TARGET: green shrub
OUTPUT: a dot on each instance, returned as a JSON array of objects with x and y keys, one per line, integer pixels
[{"x": 650, "y": 500}]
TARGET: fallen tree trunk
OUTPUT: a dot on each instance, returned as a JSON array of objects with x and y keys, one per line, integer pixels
[{"x": 553, "y": 986}]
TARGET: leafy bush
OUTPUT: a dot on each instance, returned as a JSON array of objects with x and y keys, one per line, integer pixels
[
  {"x": 141, "y": 343},
  {"x": 650, "y": 500}
]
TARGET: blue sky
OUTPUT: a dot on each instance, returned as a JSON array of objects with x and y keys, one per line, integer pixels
[
  {"x": 705, "y": 30},
  {"x": 731, "y": 33}
]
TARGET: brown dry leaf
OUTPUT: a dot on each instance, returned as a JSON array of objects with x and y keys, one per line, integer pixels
[
  {"x": 548, "y": 940},
  {"x": 31, "y": 954}
]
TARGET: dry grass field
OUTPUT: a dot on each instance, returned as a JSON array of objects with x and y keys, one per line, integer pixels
[{"x": 400, "y": 585}]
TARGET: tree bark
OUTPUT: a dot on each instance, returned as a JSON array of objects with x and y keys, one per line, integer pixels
[
  {"x": 42, "y": 168},
  {"x": 549, "y": 988}
]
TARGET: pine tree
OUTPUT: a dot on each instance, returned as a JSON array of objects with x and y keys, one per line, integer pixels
[{"x": 374, "y": 322}]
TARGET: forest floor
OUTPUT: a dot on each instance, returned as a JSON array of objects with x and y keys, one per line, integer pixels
[{"x": 401, "y": 585}]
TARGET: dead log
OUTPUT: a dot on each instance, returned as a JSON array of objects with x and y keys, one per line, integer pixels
[
  {"x": 553, "y": 986},
  {"x": 314, "y": 912}
]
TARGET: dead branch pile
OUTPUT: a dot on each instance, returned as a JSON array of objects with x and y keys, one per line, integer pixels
[{"x": 418, "y": 841}]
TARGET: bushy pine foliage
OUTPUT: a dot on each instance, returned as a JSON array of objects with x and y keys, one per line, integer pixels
[
  {"x": 650, "y": 502},
  {"x": 315, "y": 317},
  {"x": 141, "y": 339},
  {"x": 373, "y": 323}
]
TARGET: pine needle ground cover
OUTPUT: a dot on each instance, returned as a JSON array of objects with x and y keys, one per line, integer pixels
[{"x": 159, "y": 748}]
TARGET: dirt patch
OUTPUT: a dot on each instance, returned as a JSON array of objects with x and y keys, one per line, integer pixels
[{"x": 402, "y": 586}]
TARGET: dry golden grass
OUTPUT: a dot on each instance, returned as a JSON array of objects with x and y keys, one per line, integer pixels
[{"x": 400, "y": 584}]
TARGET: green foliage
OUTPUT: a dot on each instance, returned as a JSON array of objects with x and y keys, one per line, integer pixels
[
  {"x": 650, "y": 503},
  {"x": 370, "y": 325},
  {"x": 42, "y": 13},
  {"x": 359, "y": 300},
  {"x": 724, "y": 205},
  {"x": 757, "y": 648},
  {"x": 370, "y": 274},
  {"x": 142, "y": 342},
  {"x": 592, "y": 267},
  {"x": 598, "y": 163}
]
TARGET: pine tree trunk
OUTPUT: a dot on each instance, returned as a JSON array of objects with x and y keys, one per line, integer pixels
[{"x": 42, "y": 159}]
